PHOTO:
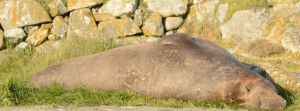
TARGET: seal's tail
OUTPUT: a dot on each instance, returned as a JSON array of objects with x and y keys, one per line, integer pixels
[{"x": 46, "y": 76}]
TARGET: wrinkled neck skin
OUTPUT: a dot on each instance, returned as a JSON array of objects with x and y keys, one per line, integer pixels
[{"x": 260, "y": 93}]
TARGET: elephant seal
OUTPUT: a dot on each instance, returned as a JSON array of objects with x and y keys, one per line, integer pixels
[{"x": 177, "y": 66}]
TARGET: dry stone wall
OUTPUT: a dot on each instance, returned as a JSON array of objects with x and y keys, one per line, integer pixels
[{"x": 27, "y": 22}]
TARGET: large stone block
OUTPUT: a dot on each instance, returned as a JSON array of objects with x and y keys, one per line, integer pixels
[
  {"x": 15, "y": 33},
  {"x": 119, "y": 7},
  {"x": 102, "y": 16},
  {"x": 57, "y": 7},
  {"x": 82, "y": 24},
  {"x": 78, "y": 4},
  {"x": 37, "y": 37},
  {"x": 168, "y": 8},
  {"x": 245, "y": 25},
  {"x": 138, "y": 19},
  {"x": 173, "y": 22},
  {"x": 119, "y": 28},
  {"x": 19, "y": 13},
  {"x": 200, "y": 20},
  {"x": 60, "y": 27},
  {"x": 291, "y": 39},
  {"x": 153, "y": 25}
]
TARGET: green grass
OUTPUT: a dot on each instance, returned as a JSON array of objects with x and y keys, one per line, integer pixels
[
  {"x": 288, "y": 64},
  {"x": 23, "y": 63},
  {"x": 14, "y": 89},
  {"x": 16, "y": 92}
]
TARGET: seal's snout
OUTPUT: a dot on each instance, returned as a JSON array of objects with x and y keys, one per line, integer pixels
[
  {"x": 283, "y": 101},
  {"x": 275, "y": 104},
  {"x": 283, "y": 104}
]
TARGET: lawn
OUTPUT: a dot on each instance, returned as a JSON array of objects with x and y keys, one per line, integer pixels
[{"x": 14, "y": 89}]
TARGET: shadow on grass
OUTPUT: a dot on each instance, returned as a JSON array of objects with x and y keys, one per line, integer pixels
[{"x": 285, "y": 93}]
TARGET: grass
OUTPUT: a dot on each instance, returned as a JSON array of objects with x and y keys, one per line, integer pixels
[
  {"x": 30, "y": 62},
  {"x": 15, "y": 91},
  {"x": 20, "y": 93},
  {"x": 263, "y": 48},
  {"x": 287, "y": 63}
]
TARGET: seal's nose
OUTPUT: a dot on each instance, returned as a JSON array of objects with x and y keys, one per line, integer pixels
[
  {"x": 278, "y": 103},
  {"x": 283, "y": 104}
]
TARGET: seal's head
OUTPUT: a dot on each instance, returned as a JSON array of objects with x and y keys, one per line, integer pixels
[{"x": 261, "y": 93}]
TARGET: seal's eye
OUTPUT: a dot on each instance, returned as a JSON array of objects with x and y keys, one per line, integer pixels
[{"x": 248, "y": 88}]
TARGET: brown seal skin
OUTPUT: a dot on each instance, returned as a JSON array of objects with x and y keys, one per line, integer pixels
[{"x": 177, "y": 66}]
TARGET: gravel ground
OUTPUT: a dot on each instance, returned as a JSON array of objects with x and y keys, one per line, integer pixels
[{"x": 103, "y": 108}]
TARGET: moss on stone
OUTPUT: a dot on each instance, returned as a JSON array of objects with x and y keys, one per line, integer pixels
[
  {"x": 142, "y": 4},
  {"x": 236, "y": 5},
  {"x": 227, "y": 43},
  {"x": 45, "y": 4},
  {"x": 295, "y": 1},
  {"x": 105, "y": 1}
]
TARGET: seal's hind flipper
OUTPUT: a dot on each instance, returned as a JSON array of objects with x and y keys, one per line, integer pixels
[{"x": 45, "y": 77}]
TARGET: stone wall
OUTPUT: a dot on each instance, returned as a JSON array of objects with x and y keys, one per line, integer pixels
[{"x": 26, "y": 22}]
